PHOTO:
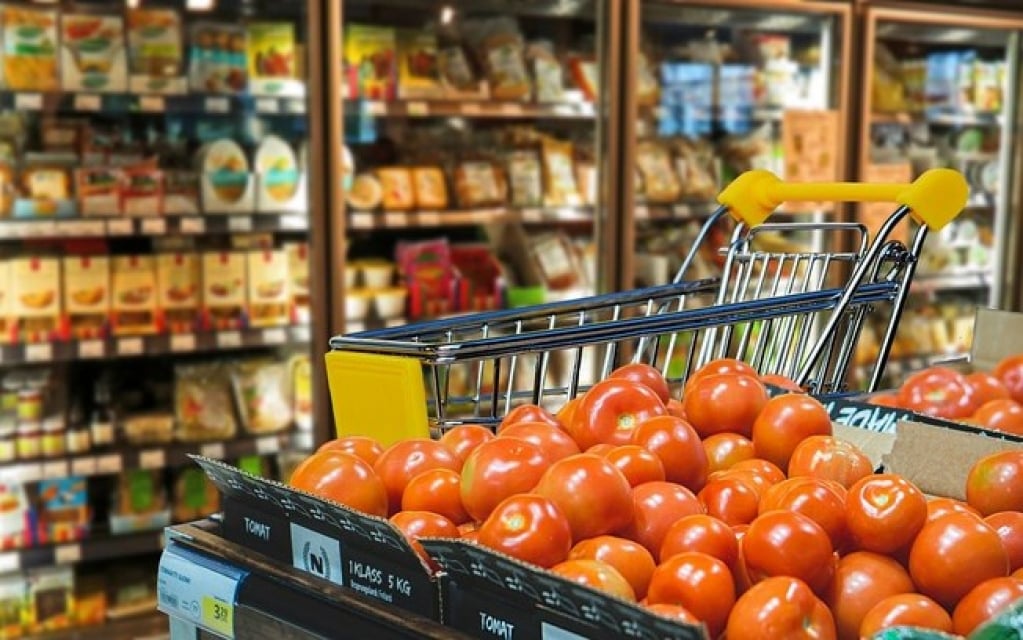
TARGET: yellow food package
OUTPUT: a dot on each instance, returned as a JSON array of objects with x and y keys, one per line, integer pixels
[
  {"x": 30, "y": 41},
  {"x": 396, "y": 183},
  {"x": 431, "y": 190},
  {"x": 661, "y": 183},
  {"x": 559, "y": 174}
]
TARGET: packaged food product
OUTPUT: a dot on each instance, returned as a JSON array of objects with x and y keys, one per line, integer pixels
[
  {"x": 226, "y": 168},
  {"x": 277, "y": 167},
  {"x": 478, "y": 184},
  {"x": 180, "y": 193},
  {"x": 8, "y": 189},
  {"x": 15, "y": 531},
  {"x": 369, "y": 62},
  {"x": 217, "y": 58},
  {"x": 455, "y": 70},
  {"x": 525, "y": 178},
  {"x": 501, "y": 49},
  {"x": 195, "y": 497},
  {"x": 547, "y": 74},
  {"x": 298, "y": 279},
  {"x": 648, "y": 90},
  {"x": 177, "y": 276},
  {"x": 202, "y": 401},
  {"x": 35, "y": 293},
  {"x": 586, "y": 76},
  {"x": 224, "y": 279},
  {"x": 50, "y": 598},
  {"x": 555, "y": 258},
  {"x": 86, "y": 295},
  {"x": 262, "y": 390},
  {"x": 301, "y": 390},
  {"x": 366, "y": 192},
  {"x": 586, "y": 178},
  {"x": 90, "y": 600},
  {"x": 13, "y": 601},
  {"x": 271, "y": 54},
  {"x": 46, "y": 183},
  {"x": 155, "y": 427},
  {"x": 6, "y": 303},
  {"x": 426, "y": 267},
  {"x": 64, "y": 513},
  {"x": 269, "y": 300},
  {"x": 30, "y": 41},
  {"x": 660, "y": 182},
  {"x": 559, "y": 173},
  {"x": 99, "y": 191},
  {"x": 155, "y": 51},
  {"x": 418, "y": 68},
  {"x": 396, "y": 184},
  {"x": 139, "y": 502},
  {"x": 143, "y": 191},
  {"x": 694, "y": 164},
  {"x": 134, "y": 295},
  {"x": 430, "y": 188},
  {"x": 93, "y": 52}
]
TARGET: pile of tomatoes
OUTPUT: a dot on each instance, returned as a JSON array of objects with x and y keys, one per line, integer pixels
[
  {"x": 728, "y": 508},
  {"x": 993, "y": 400}
]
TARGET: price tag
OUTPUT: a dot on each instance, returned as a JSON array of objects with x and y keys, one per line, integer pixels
[
  {"x": 471, "y": 109},
  {"x": 295, "y": 106},
  {"x": 152, "y": 104},
  {"x": 418, "y": 108},
  {"x": 182, "y": 342},
  {"x": 276, "y": 335},
  {"x": 198, "y": 589},
  {"x": 9, "y": 562},
  {"x": 376, "y": 108},
  {"x": 154, "y": 226},
  {"x": 83, "y": 467},
  {"x": 109, "y": 464},
  {"x": 213, "y": 450},
  {"x": 218, "y": 105},
  {"x": 91, "y": 349},
  {"x": 239, "y": 224},
  {"x": 396, "y": 220},
  {"x": 642, "y": 213},
  {"x": 229, "y": 339},
  {"x": 268, "y": 445},
  {"x": 511, "y": 109},
  {"x": 120, "y": 227},
  {"x": 31, "y": 473},
  {"x": 81, "y": 228},
  {"x": 130, "y": 347},
  {"x": 153, "y": 459},
  {"x": 67, "y": 553},
  {"x": 429, "y": 219},
  {"x": 28, "y": 101},
  {"x": 88, "y": 102},
  {"x": 267, "y": 105},
  {"x": 193, "y": 225},
  {"x": 362, "y": 220},
  {"x": 41, "y": 352},
  {"x": 55, "y": 470},
  {"x": 294, "y": 223}
]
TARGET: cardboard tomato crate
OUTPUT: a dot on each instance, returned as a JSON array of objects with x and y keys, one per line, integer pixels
[{"x": 365, "y": 554}]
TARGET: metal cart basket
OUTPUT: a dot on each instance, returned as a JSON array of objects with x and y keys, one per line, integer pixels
[{"x": 797, "y": 314}]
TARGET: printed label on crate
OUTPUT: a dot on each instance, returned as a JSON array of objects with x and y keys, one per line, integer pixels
[
  {"x": 317, "y": 554},
  {"x": 197, "y": 588},
  {"x": 867, "y": 416}
]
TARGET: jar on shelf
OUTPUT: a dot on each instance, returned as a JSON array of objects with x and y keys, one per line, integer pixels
[
  {"x": 53, "y": 438},
  {"x": 9, "y": 396},
  {"x": 29, "y": 439},
  {"x": 30, "y": 404},
  {"x": 78, "y": 438},
  {"x": 8, "y": 440}
]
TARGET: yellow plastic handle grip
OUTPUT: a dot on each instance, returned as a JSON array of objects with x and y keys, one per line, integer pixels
[{"x": 935, "y": 198}]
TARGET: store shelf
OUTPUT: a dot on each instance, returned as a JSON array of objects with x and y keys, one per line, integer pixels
[
  {"x": 150, "y": 626},
  {"x": 930, "y": 283},
  {"x": 99, "y": 548},
  {"x": 121, "y": 104},
  {"x": 470, "y": 109},
  {"x": 151, "y": 226},
  {"x": 151, "y": 457},
  {"x": 939, "y": 117},
  {"x": 365, "y": 220},
  {"x": 156, "y": 345}
]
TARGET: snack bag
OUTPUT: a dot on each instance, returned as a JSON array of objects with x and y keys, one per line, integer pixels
[
  {"x": 202, "y": 401},
  {"x": 501, "y": 50}
]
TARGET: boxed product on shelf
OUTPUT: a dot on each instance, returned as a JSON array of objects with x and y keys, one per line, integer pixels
[
  {"x": 479, "y": 279},
  {"x": 225, "y": 289},
  {"x": 479, "y": 183},
  {"x": 418, "y": 65},
  {"x": 525, "y": 178},
  {"x": 217, "y": 60},
  {"x": 369, "y": 65},
  {"x": 545, "y": 68},
  {"x": 99, "y": 191},
  {"x": 227, "y": 185},
  {"x": 428, "y": 273},
  {"x": 178, "y": 286},
  {"x": 501, "y": 50},
  {"x": 50, "y": 598},
  {"x": 298, "y": 279},
  {"x": 133, "y": 307},
  {"x": 269, "y": 299},
  {"x": 203, "y": 405},
  {"x": 36, "y": 296},
  {"x": 281, "y": 185},
  {"x": 430, "y": 188},
  {"x": 194, "y": 496},
  {"x": 63, "y": 510},
  {"x": 262, "y": 391},
  {"x": 558, "y": 161},
  {"x": 86, "y": 295},
  {"x": 155, "y": 51},
  {"x": 17, "y": 517},
  {"x": 90, "y": 600},
  {"x": 147, "y": 428},
  {"x": 180, "y": 193},
  {"x": 45, "y": 193},
  {"x": 273, "y": 59},
  {"x": 142, "y": 194},
  {"x": 30, "y": 41},
  {"x": 13, "y": 604},
  {"x": 397, "y": 188},
  {"x": 139, "y": 502},
  {"x": 93, "y": 52}
]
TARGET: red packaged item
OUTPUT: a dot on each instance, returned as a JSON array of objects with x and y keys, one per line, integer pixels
[
  {"x": 429, "y": 274},
  {"x": 480, "y": 281}
]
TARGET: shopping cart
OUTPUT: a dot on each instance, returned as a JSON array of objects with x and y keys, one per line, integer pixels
[{"x": 792, "y": 312}]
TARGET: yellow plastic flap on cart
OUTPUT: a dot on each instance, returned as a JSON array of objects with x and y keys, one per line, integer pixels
[
  {"x": 935, "y": 198},
  {"x": 379, "y": 396}
]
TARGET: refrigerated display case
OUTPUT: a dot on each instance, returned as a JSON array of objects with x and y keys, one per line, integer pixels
[
  {"x": 720, "y": 88},
  {"x": 940, "y": 89},
  {"x": 472, "y": 155},
  {"x": 162, "y": 280}
]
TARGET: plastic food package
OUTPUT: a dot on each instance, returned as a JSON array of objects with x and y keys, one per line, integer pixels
[
  {"x": 93, "y": 49},
  {"x": 547, "y": 73},
  {"x": 139, "y": 502},
  {"x": 366, "y": 192},
  {"x": 478, "y": 184},
  {"x": 418, "y": 65},
  {"x": 263, "y": 392},
  {"x": 430, "y": 188},
  {"x": 501, "y": 49},
  {"x": 455, "y": 69},
  {"x": 396, "y": 184},
  {"x": 302, "y": 390},
  {"x": 30, "y": 41},
  {"x": 555, "y": 258},
  {"x": 149, "y": 428},
  {"x": 202, "y": 400},
  {"x": 660, "y": 182},
  {"x": 525, "y": 178},
  {"x": 218, "y": 60},
  {"x": 559, "y": 174},
  {"x": 369, "y": 62},
  {"x": 195, "y": 497}
]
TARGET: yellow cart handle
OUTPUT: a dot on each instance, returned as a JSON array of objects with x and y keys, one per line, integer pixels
[{"x": 935, "y": 198}]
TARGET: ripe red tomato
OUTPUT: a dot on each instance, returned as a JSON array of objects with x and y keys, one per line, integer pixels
[
  {"x": 885, "y": 400},
  {"x": 819, "y": 500},
  {"x": 829, "y": 458},
  {"x": 638, "y": 465},
  {"x": 656, "y": 506},
  {"x": 601, "y": 449},
  {"x": 720, "y": 366},
  {"x": 701, "y": 533},
  {"x": 761, "y": 468},
  {"x": 725, "y": 449},
  {"x": 785, "y": 422},
  {"x": 527, "y": 413},
  {"x": 343, "y": 478},
  {"x": 596, "y": 575},
  {"x": 565, "y": 413},
  {"x": 463, "y": 439},
  {"x": 984, "y": 602},
  {"x": 905, "y": 610},
  {"x": 1018, "y": 574},
  {"x": 730, "y": 498},
  {"x": 674, "y": 612},
  {"x": 436, "y": 490},
  {"x": 781, "y": 607},
  {"x": 359, "y": 446},
  {"x": 555, "y": 443},
  {"x": 1010, "y": 372},
  {"x": 423, "y": 524},
  {"x": 645, "y": 375},
  {"x": 785, "y": 543},
  {"x": 938, "y": 391},
  {"x": 938, "y": 507},
  {"x": 884, "y": 513},
  {"x": 594, "y": 496},
  {"x": 700, "y": 583},
  {"x": 611, "y": 410},
  {"x": 995, "y": 483},
  {"x": 1009, "y": 527},
  {"x": 679, "y": 448},
  {"x": 498, "y": 469},
  {"x": 530, "y": 528},
  {"x": 781, "y": 382},
  {"x": 986, "y": 387},
  {"x": 405, "y": 460},
  {"x": 1003, "y": 414},
  {"x": 953, "y": 554},
  {"x": 724, "y": 403},
  {"x": 862, "y": 580},
  {"x": 675, "y": 408},
  {"x": 631, "y": 559}
]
